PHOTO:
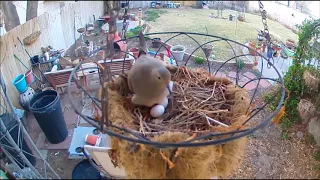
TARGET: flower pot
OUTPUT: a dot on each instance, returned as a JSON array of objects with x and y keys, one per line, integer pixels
[
  {"x": 252, "y": 47},
  {"x": 20, "y": 83},
  {"x": 29, "y": 77},
  {"x": 177, "y": 52},
  {"x": 156, "y": 42},
  {"x": 207, "y": 50},
  {"x": 118, "y": 45},
  {"x": 135, "y": 52},
  {"x": 290, "y": 43},
  {"x": 25, "y": 98}
]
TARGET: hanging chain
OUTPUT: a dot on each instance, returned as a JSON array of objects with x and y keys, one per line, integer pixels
[
  {"x": 125, "y": 23},
  {"x": 266, "y": 33}
]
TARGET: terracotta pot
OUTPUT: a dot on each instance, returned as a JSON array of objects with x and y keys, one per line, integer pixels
[
  {"x": 289, "y": 43},
  {"x": 29, "y": 77},
  {"x": 135, "y": 51},
  {"x": 252, "y": 47},
  {"x": 118, "y": 45}
]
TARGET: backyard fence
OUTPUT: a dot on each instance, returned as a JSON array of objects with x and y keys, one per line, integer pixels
[{"x": 58, "y": 29}]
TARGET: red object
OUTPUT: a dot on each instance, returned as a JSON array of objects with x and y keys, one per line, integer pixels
[
  {"x": 135, "y": 52},
  {"x": 255, "y": 63},
  {"x": 168, "y": 51},
  {"x": 93, "y": 140},
  {"x": 116, "y": 37},
  {"x": 252, "y": 48},
  {"x": 106, "y": 18},
  {"x": 29, "y": 77}
]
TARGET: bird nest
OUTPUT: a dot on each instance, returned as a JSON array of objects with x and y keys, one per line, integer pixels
[{"x": 200, "y": 104}]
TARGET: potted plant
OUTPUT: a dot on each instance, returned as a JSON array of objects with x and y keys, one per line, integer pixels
[
  {"x": 252, "y": 47},
  {"x": 178, "y": 52},
  {"x": 207, "y": 48}
]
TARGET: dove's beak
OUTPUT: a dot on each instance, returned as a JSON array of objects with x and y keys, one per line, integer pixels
[{"x": 168, "y": 86}]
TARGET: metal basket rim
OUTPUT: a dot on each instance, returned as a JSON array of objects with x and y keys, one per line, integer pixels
[{"x": 189, "y": 143}]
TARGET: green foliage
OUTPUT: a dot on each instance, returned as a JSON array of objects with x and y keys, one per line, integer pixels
[
  {"x": 284, "y": 135},
  {"x": 317, "y": 155},
  {"x": 240, "y": 64},
  {"x": 199, "y": 60},
  {"x": 310, "y": 139},
  {"x": 309, "y": 31},
  {"x": 152, "y": 15},
  {"x": 293, "y": 79},
  {"x": 316, "y": 167},
  {"x": 134, "y": 32}
]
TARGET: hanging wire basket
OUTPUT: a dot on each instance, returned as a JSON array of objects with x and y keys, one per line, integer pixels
[{"x": 214, "y": 130}]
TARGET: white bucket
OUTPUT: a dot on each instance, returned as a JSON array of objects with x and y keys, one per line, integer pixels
[{"x": 178, "y": 52}]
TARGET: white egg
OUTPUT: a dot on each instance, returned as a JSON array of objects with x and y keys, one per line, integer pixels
[
  {"x": 164, "y": 103},
  {"x": 157, "y": 111},
  {"x": 171, "y": 85}
]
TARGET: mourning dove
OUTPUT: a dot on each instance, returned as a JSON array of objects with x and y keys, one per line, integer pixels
[{"x": 148, "y": 79}]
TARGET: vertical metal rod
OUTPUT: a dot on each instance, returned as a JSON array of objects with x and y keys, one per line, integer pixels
[
  {"x": 13, "y": 161},
  {"x": 17, "y": 149},
  {"x": 25, "y": 133}
]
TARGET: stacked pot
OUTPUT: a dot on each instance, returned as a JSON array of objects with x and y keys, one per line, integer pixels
[{"x": 22, "y": 83}]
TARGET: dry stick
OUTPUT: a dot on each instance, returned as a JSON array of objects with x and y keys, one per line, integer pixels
[
  {"x": 214, "y": 88},
  {"x": 213, "y": 120}
]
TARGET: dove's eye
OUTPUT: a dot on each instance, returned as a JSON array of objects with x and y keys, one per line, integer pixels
[{"x": 159, "y": 78}]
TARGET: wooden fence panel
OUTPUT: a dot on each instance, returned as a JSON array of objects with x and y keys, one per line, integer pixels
[{"x": 57, "y": 29}]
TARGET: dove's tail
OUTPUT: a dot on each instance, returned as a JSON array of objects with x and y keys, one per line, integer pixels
[{"x": 142, "y": 45}]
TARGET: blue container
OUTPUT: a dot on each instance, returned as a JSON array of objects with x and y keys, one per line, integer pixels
[{"x": 20, "y": 83}]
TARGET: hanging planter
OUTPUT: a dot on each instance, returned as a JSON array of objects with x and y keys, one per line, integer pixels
[
  {"x": 207, "y": 50},
  {"x": 311, "y": 80},
  {"x": 31, "y": 38},
  {"x": 306, "y": 109}
]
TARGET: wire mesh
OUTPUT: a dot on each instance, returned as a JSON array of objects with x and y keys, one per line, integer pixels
[
  {"x": 257, "y": 106},
  {"x": 17, "y": 145}
]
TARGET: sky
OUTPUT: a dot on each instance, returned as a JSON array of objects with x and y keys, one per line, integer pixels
[{"x": 315, "y": 8}]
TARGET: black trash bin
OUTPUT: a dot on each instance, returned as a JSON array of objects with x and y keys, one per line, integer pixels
[
  {"x": 46, "y": 108},
  {"x": 13, "y": 128}
]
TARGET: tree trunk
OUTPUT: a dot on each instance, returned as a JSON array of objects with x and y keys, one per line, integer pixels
[
  {"x": 11, "y": 18},
  {"x": 32, "y": 9}
]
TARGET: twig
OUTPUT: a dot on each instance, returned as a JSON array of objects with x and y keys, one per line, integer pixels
[
  {"x": 214, "y": 88},
  {"x": 213, "y": 120}
]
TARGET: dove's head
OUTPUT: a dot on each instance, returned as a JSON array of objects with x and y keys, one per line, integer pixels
[{"x": 161, "y": 75}]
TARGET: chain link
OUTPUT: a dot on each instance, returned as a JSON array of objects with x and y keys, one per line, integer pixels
[
  {"x": 266, "y": 33},
  {"x": 125, "y": 23}
]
